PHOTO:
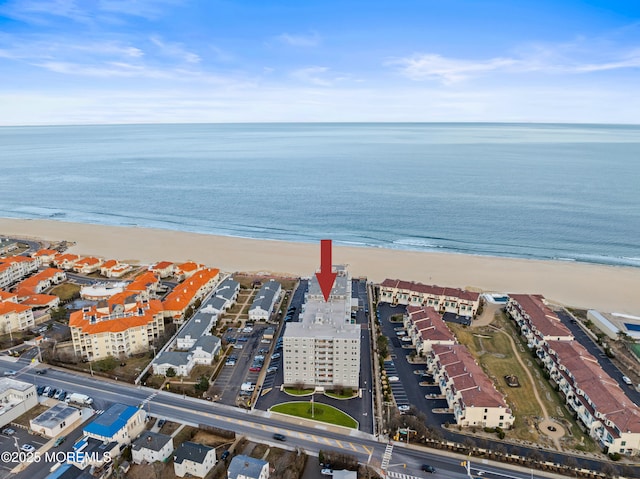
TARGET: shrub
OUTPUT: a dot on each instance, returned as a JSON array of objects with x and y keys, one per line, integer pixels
[{"x": 614, "y": 456}]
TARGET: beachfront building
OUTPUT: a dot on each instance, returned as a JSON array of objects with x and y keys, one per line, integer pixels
[
  {"x": 118, "y": 328},
  {"x": 14, "y": 268},
  {"x": 112, "y": 268},
  {"x": 247, "y": 467},
  {"x": 536, "y": 321},
  {"x": 469, "y": 392},
  {"x": 443, "y": 300},
  {"x": 45, "y": 256},
  {"x": 183, "y": 271},
  {"x": 65, "y": 261},
  {"x": 193, "y": 459},
  {"x": 188, "y": 292},
  {"x": 426, "y": 328},
  {"x": 6, "y": 296},
  {"x": 16, "y": 398},
  {"x": 146, "y": 285},
  {"x": 163, "y": 269},
  {"x": 87, "y": 265},
  {"x": 322, "y": 350},
  {"x": 41, "y": 281},
  {"x": 264, "y": 301},
  {"x": 15, "y": 317}
]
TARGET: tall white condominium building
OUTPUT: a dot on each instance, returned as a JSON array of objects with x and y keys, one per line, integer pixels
[{"x": 323, "y": 349}]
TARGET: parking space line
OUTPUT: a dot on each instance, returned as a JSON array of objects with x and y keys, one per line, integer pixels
[{"x": 339, "y": 444}]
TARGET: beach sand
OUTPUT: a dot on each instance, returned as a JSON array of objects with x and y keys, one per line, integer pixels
[{"x": 606, "y": 288}]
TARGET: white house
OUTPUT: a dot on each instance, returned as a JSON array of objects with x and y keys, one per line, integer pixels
[
  {"x": 264, "y": 301},
  {"x": 151, "y": 447},
  {"x": 55, "y": 421},
  {"x": 194, "y": 459},
  {"x": 245, "y": 467}
]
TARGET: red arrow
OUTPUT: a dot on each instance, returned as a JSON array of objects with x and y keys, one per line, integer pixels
[{"x": 326, "y": 276}]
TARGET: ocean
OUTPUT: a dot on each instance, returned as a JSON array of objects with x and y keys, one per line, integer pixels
[{"x": 546, "y": 191}]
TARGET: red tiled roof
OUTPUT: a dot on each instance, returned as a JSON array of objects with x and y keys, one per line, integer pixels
[
  {"x": 7, "y": 307},
  {"x": 81, "y": 320},
  {"x": 430, "y": 289},
  {"x": 161, "y": 265},
  {"x": 39, "y": 300},
  {"x": 430, "y": 324},
  {"x": 540, "y": 315},
  {"x": 183, "y": 293}
]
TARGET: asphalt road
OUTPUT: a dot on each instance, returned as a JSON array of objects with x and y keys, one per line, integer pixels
[{"x": 255, "y": 425}]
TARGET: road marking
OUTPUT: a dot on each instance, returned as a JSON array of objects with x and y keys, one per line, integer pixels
[
  {"x": 399, "y": 475},
  {"x": 369, "y": 451},
  {"x": 352, "y": 446},
  {"x": 339, "y": 444}
]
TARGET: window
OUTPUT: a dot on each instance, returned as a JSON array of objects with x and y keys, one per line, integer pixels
[{"x": 501, "y": 418}]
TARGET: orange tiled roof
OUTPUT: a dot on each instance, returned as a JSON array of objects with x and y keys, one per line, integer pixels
[
  {"x": 16, "y": 259},
  {"x": 142, "y": 282},
  {"x": 7, "y": 307},
  {"x": 45, "y": 252},
  {"x": 80, "y": 319},
  {"x": 188, "y": 267},
  {"x": 161, "y": 265},
  {"x": 110, "y": 263},
  {"x": 183, "y": 294},
  {"x": 88, "y": 261},
  {"x": 67, "y": 257},
  {"x": 5, "y": 296},
  {"x": 39, "y": 299}
]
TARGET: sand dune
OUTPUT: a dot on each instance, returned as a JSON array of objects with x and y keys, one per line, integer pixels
[{"x": 606, "y": 288}]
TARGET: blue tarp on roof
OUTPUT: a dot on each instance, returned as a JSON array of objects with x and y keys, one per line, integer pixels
[{"x": 111, "y": 421}]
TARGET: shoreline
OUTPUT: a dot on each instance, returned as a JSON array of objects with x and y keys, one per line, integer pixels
[{"x": 585, "y": 285}]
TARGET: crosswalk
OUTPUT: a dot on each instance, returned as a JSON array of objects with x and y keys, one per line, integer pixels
[
  {"x": 386, "y": 457},
  {"x": 399, "y": 475}
]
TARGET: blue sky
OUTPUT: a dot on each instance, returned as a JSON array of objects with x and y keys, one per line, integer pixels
[{"x": 128, "y": 61}]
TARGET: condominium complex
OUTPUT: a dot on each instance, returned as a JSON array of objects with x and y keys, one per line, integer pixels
[
  {"x": 14, "y": 268},
  {"x": 118, "y": 328},
  {"x": 444, "y": 300},
  {"x": 264, "y": 301},
  {"x": 470, "y": 393},
  {"x": 426, "y": 328},
  {"x": 323, "y": 349},
  {"x": 196, "y": 287},
  {"x": 610, "y": 417}
]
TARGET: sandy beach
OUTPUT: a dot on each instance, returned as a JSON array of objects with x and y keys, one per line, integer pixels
[{"x": 607, "y": 288}]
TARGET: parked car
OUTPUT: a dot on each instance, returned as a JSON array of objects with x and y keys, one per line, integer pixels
[
  {"x": 162, "y": 422},
  {"x": 8, "y": 431},
  {"x": 272, "y": 369},
  {"x": 10, "y": 373},
  {"x": 41, "y": 371},
  {"x": 255, "y": 369},
  {"x": 279, "y": 437},
  {"x": 224, "y": 455},
  {"x": 27, "y": 448},
  {"x": 52, "y": 392},
  {"x": 59, "y": 441},
  {"x": 275, "y": 356},
  {"x": 428, "y": 468},
  {"x": 627, "y": 380},
  {"x": 57, "y": 394},
  {"x": 40, "y": 390},
  {"x": 237, "y": 346},
  {"x": 326, "y": 472},
  {"x": 403, "y": 408},
  {"x": 46, "y": 390},
  {"x": 63, "y": 396},
  {"x": 394, "y": 379}
]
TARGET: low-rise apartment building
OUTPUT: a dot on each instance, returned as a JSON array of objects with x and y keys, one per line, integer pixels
[
  {"x": 14, "y": 268},
  {"x": 41, "y": 281},
  {"x": 190, "y": 290},
  {"x": 164, "y": 269},
  {"x": 193, "y": 459},
  {"x": 115, "y": 329},
  {"x": 65, "y": 261},
  {"x": 112, "y": 268},
  {"x": 426, "y": 328},
  {"x": 322, "y": 350},
  {"x": 87, "y": 265},
  {"x": 264, "y": 301},
  {"x": 151, "y": 447},
  {"x": 470, "y": 393},
  {"x": 443, "y": 300},
  {"x": 120, "y": 424},
  {"x": 537, "y": 322},
  {"x": 15, "y": 317}
]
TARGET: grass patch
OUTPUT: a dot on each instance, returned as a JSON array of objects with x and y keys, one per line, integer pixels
[
  {"x": 319, "y": 412},
  {"x": 298, "y": 392},
  {"x": 635, "y": 349},
  {"x": 66, "y": 291},
  {"x": 346, "y": 394},
  {"x": 185, "y": 434},
  {"x": 31, "y": 414}
]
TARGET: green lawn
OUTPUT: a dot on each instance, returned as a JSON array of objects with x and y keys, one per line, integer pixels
[
  {"x": 321, "y": 412},
  {"x": 298, "y": 392},
  {"x": 636, "y": 349}
]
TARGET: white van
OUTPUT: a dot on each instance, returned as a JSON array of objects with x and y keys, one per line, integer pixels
[{"x": 627, "y": 380}]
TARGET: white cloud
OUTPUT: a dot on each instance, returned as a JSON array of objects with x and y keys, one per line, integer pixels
[
  {"x": 314, "y": 75},
  {"x": 175, "y": 50},
  {"x": 567, "y": 59},
  {"x": 300, "y": 40}
]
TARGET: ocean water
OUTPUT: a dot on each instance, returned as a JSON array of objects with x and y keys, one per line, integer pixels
[{"x": 566, "y": 192}]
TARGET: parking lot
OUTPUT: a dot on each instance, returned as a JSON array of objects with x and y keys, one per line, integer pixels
[{"x": 412, "y": 386}]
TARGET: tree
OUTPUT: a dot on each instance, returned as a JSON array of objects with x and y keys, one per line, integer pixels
[
  {"x": 203, "y": 384},
  {"x": 170, "y": 373},
  {"x": 58, "y": 313}
]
